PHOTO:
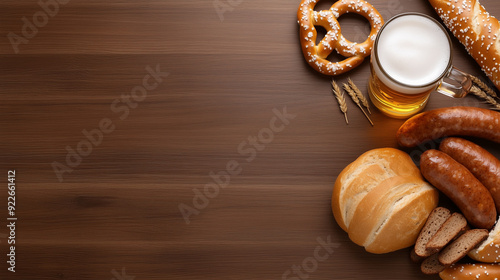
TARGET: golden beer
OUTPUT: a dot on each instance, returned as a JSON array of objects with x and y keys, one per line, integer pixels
[
  {"x": 393, "y": 103},
  {"x": 411, "y": 55}
]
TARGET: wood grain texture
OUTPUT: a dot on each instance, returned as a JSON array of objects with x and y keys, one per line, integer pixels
[{"x": 116, "y": 214}]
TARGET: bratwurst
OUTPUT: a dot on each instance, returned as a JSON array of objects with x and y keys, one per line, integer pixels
[
  {"x": 481, "y": 163},
  {"x": 452, "y": 121},
  {"x": 460, "y": 185}
]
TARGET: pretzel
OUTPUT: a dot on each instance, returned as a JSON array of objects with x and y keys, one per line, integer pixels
[{"x": 355, "y": 53}]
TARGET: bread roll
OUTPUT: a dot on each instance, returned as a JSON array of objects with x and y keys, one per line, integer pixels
[
  {"x": 382, "y": 201},
  {"x": 476, "y": 29},
  {"x": 489, "y": 250}
]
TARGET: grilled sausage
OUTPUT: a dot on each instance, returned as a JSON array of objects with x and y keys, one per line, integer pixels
[
  {"x": 460, "y": 185},
  {"x": 437, "y": 123},
  {"x": 480, "y": 162}
]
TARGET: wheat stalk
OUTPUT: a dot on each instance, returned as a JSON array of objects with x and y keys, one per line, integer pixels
[
  {"x": 360, "y": 95},
  {"x": 483, "y": 86},
  {"x": 481, "y": 94},
  {"x": 354, "y": 98},
  {"x": 340, "y": 99}
]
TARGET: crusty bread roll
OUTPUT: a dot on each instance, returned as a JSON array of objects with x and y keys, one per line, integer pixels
[
  {"x": 476, "y": 29},
  {"x": 489, "y": 250},
  {"x": 382, "y": 201}
]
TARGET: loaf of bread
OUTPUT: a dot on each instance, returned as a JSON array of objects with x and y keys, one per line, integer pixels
[
  {"x": 489, "y": 250},
  {"x": 382, "y": 201},
  {"x": 476, "y": 29}
]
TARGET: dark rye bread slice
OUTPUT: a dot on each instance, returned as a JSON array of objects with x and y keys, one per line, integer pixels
[
  {"x": 461, "y": 246},
  {"x": 436, "y": 219},
  {"x": 454, "y": 225},
  {"x": 431, "y": 265},
  {"x": 414, "y": 257}
]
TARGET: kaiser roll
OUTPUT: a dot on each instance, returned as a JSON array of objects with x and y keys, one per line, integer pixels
[{"x": 382, "y": 201}]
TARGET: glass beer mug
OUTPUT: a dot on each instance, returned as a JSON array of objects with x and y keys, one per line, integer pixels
[{"x": 412, "y": 57}]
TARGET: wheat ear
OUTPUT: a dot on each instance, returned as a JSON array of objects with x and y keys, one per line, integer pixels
[
  {"x": 340, "y": 99},
  {"x": 354, "y": 98},
  {"x": 483, "y": 86},
  {"x": 360, "y": 95},
  {"x": 481, "y": 94}
]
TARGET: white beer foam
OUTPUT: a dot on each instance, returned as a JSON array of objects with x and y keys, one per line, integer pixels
[{"x": 414, "y": 50}]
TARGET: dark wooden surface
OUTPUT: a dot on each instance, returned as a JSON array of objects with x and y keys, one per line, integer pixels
[{"x": 116, "y": 214}]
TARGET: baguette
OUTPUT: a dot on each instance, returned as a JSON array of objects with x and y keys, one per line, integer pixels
[{"x": 476, "y": 29}]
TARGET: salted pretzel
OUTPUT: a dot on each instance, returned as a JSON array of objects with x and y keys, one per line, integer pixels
[{"x": 316, "y": 54}]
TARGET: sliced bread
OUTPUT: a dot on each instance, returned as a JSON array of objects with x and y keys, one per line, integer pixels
[
  {"x": 431, "y": 265},
  {"x": 461, "y": 246},
  {"x": 436, "y": 219},
  {"x": 454, "y": 225}
]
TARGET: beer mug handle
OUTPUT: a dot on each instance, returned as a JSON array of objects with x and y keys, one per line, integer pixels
[{"x": 456, "y": 84}]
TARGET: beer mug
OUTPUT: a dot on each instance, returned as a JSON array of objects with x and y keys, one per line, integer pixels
[{"x": 412, "y": 57}]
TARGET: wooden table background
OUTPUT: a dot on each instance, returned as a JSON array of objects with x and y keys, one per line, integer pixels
[{"x": 116, "y": 214}]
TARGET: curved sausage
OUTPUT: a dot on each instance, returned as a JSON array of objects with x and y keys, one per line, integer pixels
[
  {"x": 437, "y": 123},
  {"x": 458, "y": 183},
  {"x": 481, "y": 163}
]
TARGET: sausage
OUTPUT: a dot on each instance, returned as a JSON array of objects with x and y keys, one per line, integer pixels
[
  {"x": 481, "y": 163},
  {"x": 460, "y": 185},
  {"x": 437, "y": 123}
]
